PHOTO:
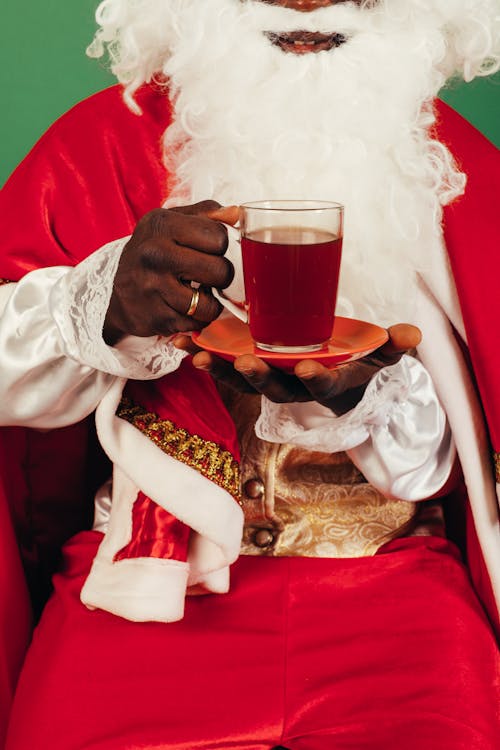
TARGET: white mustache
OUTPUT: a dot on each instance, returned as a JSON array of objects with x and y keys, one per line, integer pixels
[{"x": 344, "y": 19}]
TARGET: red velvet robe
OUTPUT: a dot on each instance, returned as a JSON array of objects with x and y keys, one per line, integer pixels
[{"x": 82, "y": 186}]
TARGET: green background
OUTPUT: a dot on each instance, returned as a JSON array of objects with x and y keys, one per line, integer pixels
[{"x": 44, "y": 71}]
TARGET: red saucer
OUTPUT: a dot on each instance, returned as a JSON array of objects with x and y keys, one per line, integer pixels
[{"x": 351, "y": 339}]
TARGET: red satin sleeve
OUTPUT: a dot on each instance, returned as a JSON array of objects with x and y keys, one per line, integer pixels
[
  {"x": 472, "y": 234},
  {"x": 88, "y": 180}
]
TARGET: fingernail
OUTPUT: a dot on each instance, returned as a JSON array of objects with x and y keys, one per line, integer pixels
[
  {"x": 200, "y": 361},
  {"x": 246, "y": 371},
  {"x": 305, "y": 373}
]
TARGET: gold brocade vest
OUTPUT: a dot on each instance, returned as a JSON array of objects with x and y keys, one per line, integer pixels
[{"x": 304, "y": 503}]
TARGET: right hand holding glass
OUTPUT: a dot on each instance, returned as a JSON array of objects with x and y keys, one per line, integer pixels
[{"x": 169, "y": 248}]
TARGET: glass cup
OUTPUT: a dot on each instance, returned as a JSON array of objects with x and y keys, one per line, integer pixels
[{"x": 291, "y": 253}]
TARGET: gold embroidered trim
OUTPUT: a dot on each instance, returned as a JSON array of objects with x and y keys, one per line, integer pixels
[
  {"x": 205, "y": 456},
  {"x": 496, "y": 460}
]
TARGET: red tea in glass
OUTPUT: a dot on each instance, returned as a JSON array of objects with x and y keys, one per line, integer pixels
[
  {"x": 290, "y": 252},
  {"x": 291, "y": 260},
  {"x": 291, "y": 279}
]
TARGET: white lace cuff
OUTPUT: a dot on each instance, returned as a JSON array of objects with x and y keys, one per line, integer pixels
[
  {"x": 316, "y": 427},
  {"x": 397, "y": 435},
  {"x": 79, "y": 302}
]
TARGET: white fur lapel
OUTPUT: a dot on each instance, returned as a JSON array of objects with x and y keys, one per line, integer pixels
[{"x": 441, "y": 355}]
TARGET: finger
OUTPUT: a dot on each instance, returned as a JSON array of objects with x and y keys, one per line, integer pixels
[
  {"x": 197, "y": 209},
  {"x": 319, "y": 381},
  {"x": 163, "y": 320},
  {"x": 193, "y": 231},
  {"x": 222, "y": 371},
  {"x": 210, "y": 270},
  {"x": 186, "y": 344},
  {"x": 202, "y": 234},
  {"x": 226, "y": 214},
  {"x": 275, "y": 384},
  {"x": 168, "y": 258},
  {"x": 402, "y": 337},
  {"x": 207, "y": 308},
  {"x": 185, "y": 324},
  {"x": 322, "y": 384},
  {"x": 170, "y": 297}
]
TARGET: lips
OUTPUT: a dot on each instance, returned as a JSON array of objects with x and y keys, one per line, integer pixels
[{"x": 303, "y": 42}]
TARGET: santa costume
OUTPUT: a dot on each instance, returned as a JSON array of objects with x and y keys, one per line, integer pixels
[{"x": 350, "y": 620}]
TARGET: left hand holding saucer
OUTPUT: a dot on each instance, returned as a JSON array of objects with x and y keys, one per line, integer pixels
[{"x": 339, "y": 389}]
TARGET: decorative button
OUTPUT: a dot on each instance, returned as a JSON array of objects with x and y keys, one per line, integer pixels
[
  {"x": 263, "y": 538},
  {"x": 254, "y": 488}
]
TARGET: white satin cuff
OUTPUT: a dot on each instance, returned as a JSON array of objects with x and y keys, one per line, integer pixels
[
  {"x": 56, "y": 366},
  {"x": 397, "y": 435}
]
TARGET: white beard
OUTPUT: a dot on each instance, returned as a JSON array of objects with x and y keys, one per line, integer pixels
[{"x": 349, "y": 125}]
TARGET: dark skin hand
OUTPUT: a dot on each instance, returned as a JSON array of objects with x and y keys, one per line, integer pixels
[
  {"x": 168, "y": 250},
  {"x": 339, "y": 389}
]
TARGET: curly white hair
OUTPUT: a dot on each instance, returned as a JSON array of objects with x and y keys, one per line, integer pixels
[{"x": 138, "y": 34}]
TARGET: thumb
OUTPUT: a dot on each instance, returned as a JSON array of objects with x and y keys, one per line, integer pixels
[
  {"x": 402, "y": 337},
  {"x": 225, "y": 214}
]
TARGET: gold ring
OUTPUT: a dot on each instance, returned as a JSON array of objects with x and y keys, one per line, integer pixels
[{"x": 194, "y": 303}]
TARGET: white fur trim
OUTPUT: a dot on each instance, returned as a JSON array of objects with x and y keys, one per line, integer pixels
[
  {"x": 204, "y": 559},
  {"x": 140, "y": 589},
  {"x": 216, "y": 582},
  {"x": 443, "y": 359}
]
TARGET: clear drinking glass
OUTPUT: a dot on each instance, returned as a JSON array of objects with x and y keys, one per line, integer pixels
[{"x": 291, "y": 252}]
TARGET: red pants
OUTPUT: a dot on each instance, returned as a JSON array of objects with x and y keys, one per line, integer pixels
[{"x": 391, "y": 651}]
